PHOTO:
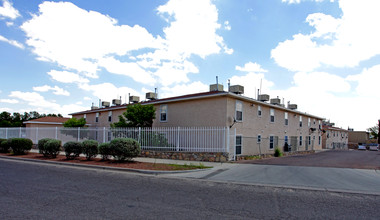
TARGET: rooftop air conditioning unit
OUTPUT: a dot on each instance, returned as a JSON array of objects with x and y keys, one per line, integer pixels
[
  {"x": 134, "y": 99},
  {"x": 151, "y": 95},
  {"x": 116, "y": 102},
  {"x": 216, "y": 87},
  {"x": 105, "y": 104},
  {"x": 237, "y": 89},
  {"x": 292, "y": 106},
  {"x": 94, "y": 107},
  {"x": 263, "y": 98},
  {"x": 275, "y": 101}
]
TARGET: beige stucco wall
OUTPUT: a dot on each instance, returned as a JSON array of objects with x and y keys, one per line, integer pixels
[
  {"x": 334, "y": 138},
  {"x": 358, "y": 137}
]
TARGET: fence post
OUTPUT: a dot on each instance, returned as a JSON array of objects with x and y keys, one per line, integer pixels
[
  {"x": 234, "y": 144},
  {"x": 19, "y": 133},
  {"x": 6, "y": 133},
  {"x": 177, "y": 148},
  {"x": 78, "y": 133},
  {"x": 56, "y": 132},
  {"x": 139, "y": 138},
  {"x": 228, "y": 140},
  {"x": 36, "y": 134}
]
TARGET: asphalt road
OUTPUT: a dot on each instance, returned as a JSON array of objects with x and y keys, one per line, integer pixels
[
  {"x": 42, "y": 191},
  {"x": 334, "y": 158}
]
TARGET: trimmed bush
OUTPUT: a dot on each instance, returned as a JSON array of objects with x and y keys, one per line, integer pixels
[
  {"x": 41, "y": 146},
  {"x": 20, "y": 145},
  {"x": 277, "y": 152},
  {"x": 90, "y": 148},
  {"x": 72, "y": 149},
  {"x": 52, "y": 148},
  {"x": 104, "y": 149},
  {"x": 4, "y": 147},
  {"x": 125, "y": 148}
]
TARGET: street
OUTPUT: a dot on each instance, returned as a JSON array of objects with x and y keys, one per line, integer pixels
[{"x": 43, "y": 191}]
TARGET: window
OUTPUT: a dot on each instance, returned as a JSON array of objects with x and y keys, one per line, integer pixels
[
  {"x": 259, "y": 111},
  {"x": 286, "y": 140},
  {"x": 271, "y": 142},
  {"x": 238, "y": 145},
  {"x": 271, "y": 115},
  {"x": 309, "y": 140},
  {"x": 308, "y": 122},
  {"x": 300, "y": 120},
  {"x": 163, "y": 113},
  {"x": 319, "y": 124},
  {"x": 259, "y": 138},
  {"x": 314, "y": 122},
  {"x": 239, "y": 111},
  {"x": 300, "y": 140},
  {"x": 110, "y": 116},
  {"x": 97, "y": 117},
  {"x": 85, "y": 116},
  {"x": 319, "y": 140},
  {"x": 286, "y": 119}
]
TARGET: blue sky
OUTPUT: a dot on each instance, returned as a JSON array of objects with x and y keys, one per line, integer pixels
[{"x": 62, "y": 56}]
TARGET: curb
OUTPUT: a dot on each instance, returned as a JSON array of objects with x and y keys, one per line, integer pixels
[{"x": 155, "y": 172}]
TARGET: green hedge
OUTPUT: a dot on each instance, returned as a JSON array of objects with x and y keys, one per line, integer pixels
[
  {"x": 90, "y": 148},
  {"x": 4, "y": 147},
  {"x": 104, "y": 149},
  {"x": 52, "y": 148},
  {"x": 124, "y": 148},
  {"x": 72, "y": 149},
  {"x": 20, "y": 145}
]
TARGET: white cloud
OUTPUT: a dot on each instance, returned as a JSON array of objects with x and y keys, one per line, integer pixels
[
  {"x": 337, "y": 42},
  {"x": 251, "y": 67},
  {"x": 75, "y": 38},
  {"x": 87, "y": 98},
  {"x": 227, "y": 25},
  {"x": 56, "y": 90},
  {"x": 8, "y": 11},
  {"x": 367, "y": 83},
  {"x": 299, "y": 1},
  {"x": 9, "y": 101},
  {"x": 252, "y": 82},
  {"x": 67, "y": 77},
  {"x": 108, "y": 91},
  {"x": 183, "y": 89},
  {"x": 12, "y": 42},
  {"x": 6, "y": 110}
]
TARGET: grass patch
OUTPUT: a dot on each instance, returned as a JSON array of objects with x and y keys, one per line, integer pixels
[{"x": 188, "y": 166}]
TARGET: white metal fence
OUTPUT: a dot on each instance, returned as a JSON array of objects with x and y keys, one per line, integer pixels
[{"x": 188, "y": 139}]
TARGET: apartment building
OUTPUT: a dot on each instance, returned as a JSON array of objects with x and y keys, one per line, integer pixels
[
  {"x": 258, "y": 126},
  {"x": 333, "y": 137}
]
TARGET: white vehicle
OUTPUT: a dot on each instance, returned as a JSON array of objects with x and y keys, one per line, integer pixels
[
  {"x": 374, "y": 147},
  {"x": 362, "y": 147}
]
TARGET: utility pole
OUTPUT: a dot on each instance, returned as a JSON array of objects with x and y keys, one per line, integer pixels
[{"x": 378, "y": 133}]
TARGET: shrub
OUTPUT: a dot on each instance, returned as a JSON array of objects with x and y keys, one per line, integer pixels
[
  {"x": 72, "y": 149},
  {"x": 52, "y": 148},
  {"x": 277, "y": 152},
  {"x": 90, "y": 148},
  {"x": 4, "y": 147},
  {"x": 125, "y": 148},
  {"x": 20, "y": 145},
  {"x": 41, "y": 146},
  {"x": 105, "y": 150}
]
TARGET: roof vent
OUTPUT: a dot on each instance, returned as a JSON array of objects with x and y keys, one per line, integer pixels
[
  {"x": 134, "y": 99},
  {"x": 116, "y": 102},
  {"x": 275, "y": 101},
  {"x": 105, "y": 104},
  {"x": 216, "y": 87},
  {"x": 151, "y": 95},
  {"x": 292, "y": 106},
  {"x": 94, "y": 107},
  {"x": 237, "y": 89},
  {"x": 263, "y": 98}
]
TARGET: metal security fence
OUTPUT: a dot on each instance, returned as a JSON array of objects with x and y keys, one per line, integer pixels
[{"x": 188, "y": 139}]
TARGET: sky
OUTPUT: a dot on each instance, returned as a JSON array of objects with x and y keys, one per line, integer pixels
[{"x": 63, "y": 56}]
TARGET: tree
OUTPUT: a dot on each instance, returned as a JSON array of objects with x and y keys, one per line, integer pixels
[
  {"x": 74, "y": 123},
  {"x": 137, "y": 115},
  {"x": 374, "y": 131},
  {"x": 16, "y": 119}
]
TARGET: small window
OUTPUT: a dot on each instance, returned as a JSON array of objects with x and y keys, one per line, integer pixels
[
  {"x": 97, "y": 117},
  {"x": 314, "y": 122},
  {"x": 300, "y": 120},
  {"x": 309, "y": 140},
  {"x": 239, "y": 111},
  {"x": 300, "y": 140},
  {"x": 259, "y": 138},
  {"x": 271, "y": 142},
  {"x": 286, "y": 119},
  {"x": 319, "y": 124},
  {"x": 319, "y": 140},
  {"x": 110, "y": 116},
  {"x": 259, "y": 111},
  {"x": 286, "y": 141},
  {"x": 85, "y": 116},
  {"x": 271, "y": 115},
  {"x": 308, "y": 122},
  {"x": 238, "y": 145},
  {"x": 163, "y": 113}
]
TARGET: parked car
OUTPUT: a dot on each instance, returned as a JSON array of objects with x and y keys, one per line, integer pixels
[
  {"x": 362, "y": 147},
  {"x": 374, "y": 147}
]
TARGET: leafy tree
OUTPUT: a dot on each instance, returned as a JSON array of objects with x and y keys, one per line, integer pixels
[
  {"x": 16, "y": 119},
  {"x": 137, "y": 115},
  {"x": 374, "y": 131},
  {"x": 74, "y": 123}
]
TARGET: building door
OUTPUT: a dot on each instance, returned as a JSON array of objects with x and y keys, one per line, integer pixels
[
  {"x": 293, "y": 143},
  {"x": 238, "y": 145}
]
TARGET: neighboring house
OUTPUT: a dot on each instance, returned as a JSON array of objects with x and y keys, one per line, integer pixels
[
  {"x": 46, "y": 122},
  {"x": 358, "y": 137},
  {"x": 333, "y": 137},
  {"x": 258, "y": 126}
]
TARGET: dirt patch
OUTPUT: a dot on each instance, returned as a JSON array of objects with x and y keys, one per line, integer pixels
[{"x": 107, "y": 163}]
